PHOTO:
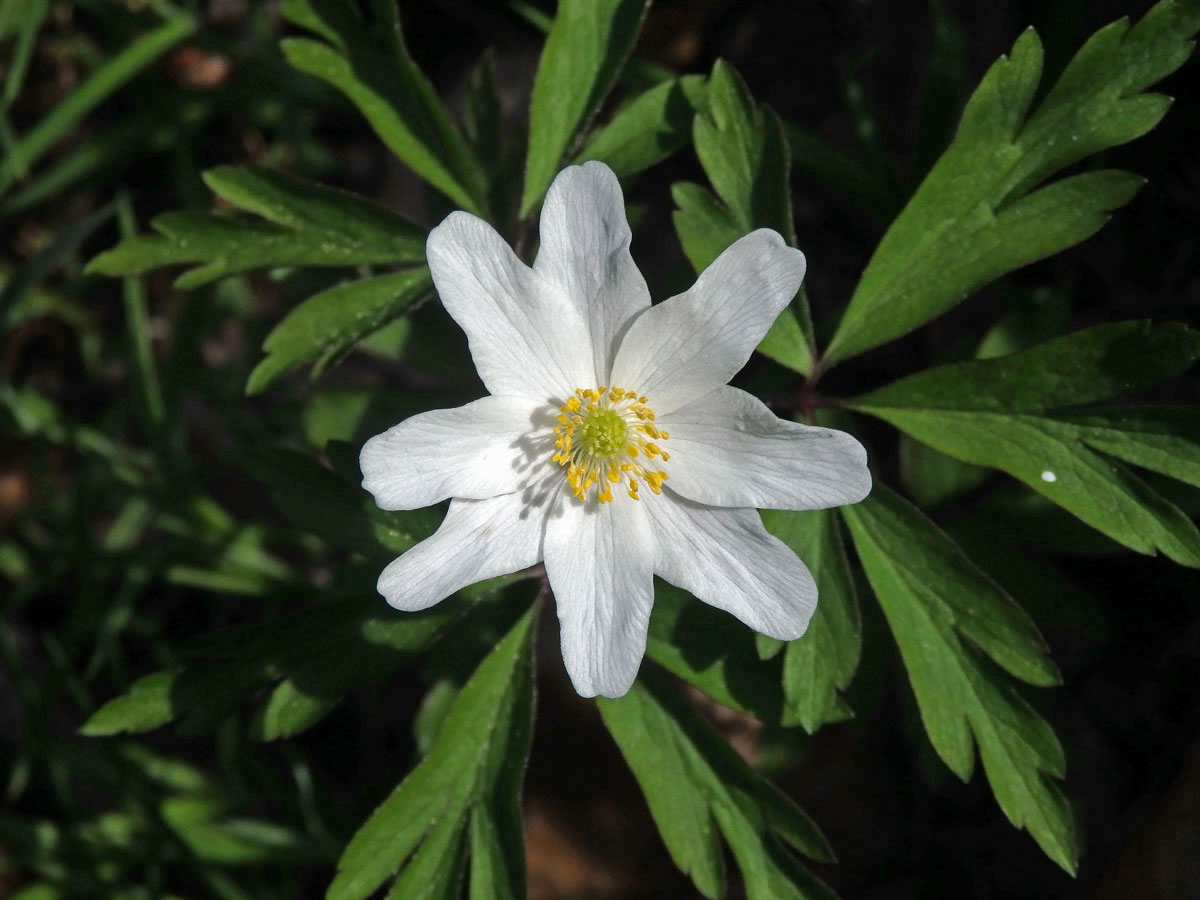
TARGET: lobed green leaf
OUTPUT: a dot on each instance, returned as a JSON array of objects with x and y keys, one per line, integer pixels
[
  {"x": 705, "y": 228},
  {"x": 648, "y": 128},
  {"x": 307, "y": 225},
  {"x": 1001, "y": 413},
  {"x": 368, "y": 62},
  {"x": 745, "y": 155},
  {"x": 310, "y": 660},
  {"x": 698, "y": 789},
  {"x": 1163, "y": 439},
  {"x": 821, "y": 663},
  {"x": 1086, "y": 366},
  {"x": 946, "y": 615},
  {"x": 418, "y": 833},
  {"x": 328, "y": 324},
  {"x": 696, "y": 642},
  {"x": 973, "y": 218}
]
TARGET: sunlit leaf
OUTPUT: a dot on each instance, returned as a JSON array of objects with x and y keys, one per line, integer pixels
[
  {"x": 1001, "y": 413},
  {"x": 978, "y": 215},
  {"x": 326, "y": 325},
  {"x": 305, "y": 225},
  {"x": 584, "y": 51},
  {"x": 745, "y": 155},
  {"x": 647, "y": 128},
  {"x": 700, "y": 790},
  {"x": 367, "y": 61},
  {"x": 946, "y": 615},
  {"x": 418, "y": 835}
]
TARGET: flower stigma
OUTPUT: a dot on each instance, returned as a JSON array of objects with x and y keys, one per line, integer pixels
[{"x": 606, "y": 436}]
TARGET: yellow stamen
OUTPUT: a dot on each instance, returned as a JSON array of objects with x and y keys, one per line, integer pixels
[{"x": 601, "y": 436}]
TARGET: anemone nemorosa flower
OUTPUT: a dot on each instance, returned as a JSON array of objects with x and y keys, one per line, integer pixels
[{"x": 611, "y": 447}]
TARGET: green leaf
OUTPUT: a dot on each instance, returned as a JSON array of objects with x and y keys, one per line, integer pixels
[
  {"x": 745, "y": 155},
  {"x": 820, "y": 664},
  {"x": 648, "y": 128},
  {"x": 1001, "y": 413},
  {"x": 931, "y": 477},
  {"x": 946, "y": 615},
  {"x": 705, "y": 228},
  {"x": 702, "y": 645},
  {"x": 1031, "y": 319},
  {"x": 1163, "y": 439},
  {"x": 336, "y": 215},
  {"x": 99, "y": 85},
  {"x": 698, "y": 788},
  {"x": 369, "y": 649},
  {"x": 319, "y": 501},
  {"x": 144, "y": 707},
  {"x": 328, "y": 324},
  {"x": 200, "y": 696},
  {"x": 1082, "y": 367},
  {"x": 477, "y": 762},
  {"x": 232, "y": 841},
  {"x": 976, "y": 215},
  {"x": 369, "y": 63},
  {"x": 584, "y": 51},
  {"x": 307, "y": 225},
  {"x": 312, "y": 659},
  {"x": 23, "y": 20}
]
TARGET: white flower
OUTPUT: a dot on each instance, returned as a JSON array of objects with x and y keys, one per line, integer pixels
[{"x": 611, "y": 446}]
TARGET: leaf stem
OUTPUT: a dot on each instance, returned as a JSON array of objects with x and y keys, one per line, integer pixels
[{"x": 137, "y": 324}]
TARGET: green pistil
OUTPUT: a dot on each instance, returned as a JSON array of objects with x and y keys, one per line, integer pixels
[{"x": 603, "y": 433}]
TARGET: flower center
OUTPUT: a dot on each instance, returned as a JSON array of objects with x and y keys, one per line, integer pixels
[{"x": 606, "y": 436}]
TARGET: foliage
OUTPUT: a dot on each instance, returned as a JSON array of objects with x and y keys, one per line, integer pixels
[{"x": 202, "y": 489}]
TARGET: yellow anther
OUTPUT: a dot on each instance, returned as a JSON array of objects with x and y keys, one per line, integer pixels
[{"x": 602, "y": 437}]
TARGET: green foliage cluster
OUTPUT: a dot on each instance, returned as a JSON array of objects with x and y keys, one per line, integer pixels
[{"x": 1048, "y": 414}]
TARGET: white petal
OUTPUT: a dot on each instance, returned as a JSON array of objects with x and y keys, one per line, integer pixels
[
  {"x": 478, "y": 539},
  {"x": 488, "y": 447},
  {"x": 695, "y": 342},
  {"x": 726, "y": 558},
  {"x": 585, "y": 252},
  {"x": 599, "y": 559},
  {"x": 526, "y": 337},
  {"x": 728, "y": 449}
]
